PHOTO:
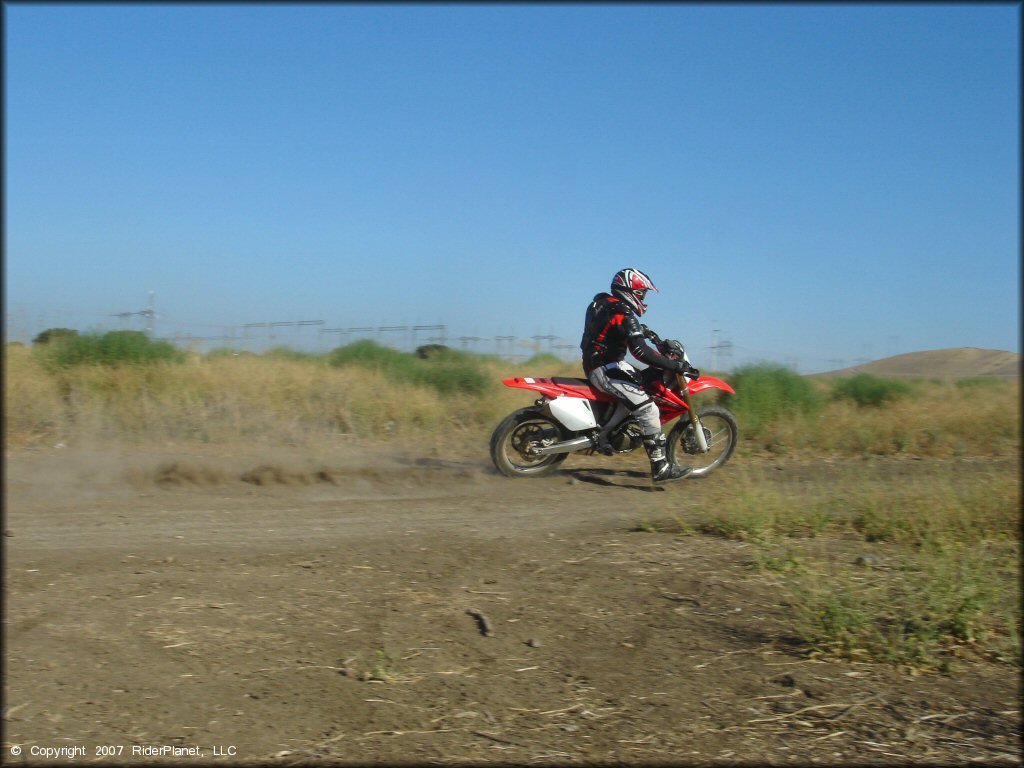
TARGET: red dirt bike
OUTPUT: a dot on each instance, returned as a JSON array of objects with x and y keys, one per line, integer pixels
[{"x": 571, "y": 416}]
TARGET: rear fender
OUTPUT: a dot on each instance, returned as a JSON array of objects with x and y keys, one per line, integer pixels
[
  {"x": 557, "y": 387},
  {"x": 545, "y": 386}
]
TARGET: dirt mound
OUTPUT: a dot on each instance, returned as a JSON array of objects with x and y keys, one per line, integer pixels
[
  {"x": 181, "y": 474},
  {"x": 267, "y": 474},
  {"x": 418, "y": 472},
  {"x": 959, "y": 363},
  {"x": 176, "y": 473},
  {"x": 93, "y": 471}
]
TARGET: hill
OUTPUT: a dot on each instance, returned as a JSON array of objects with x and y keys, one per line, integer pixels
[{"x": 958, "y": 363}]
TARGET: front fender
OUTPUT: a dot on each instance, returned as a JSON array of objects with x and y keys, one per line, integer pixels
[{"x": 708, "y": 382}]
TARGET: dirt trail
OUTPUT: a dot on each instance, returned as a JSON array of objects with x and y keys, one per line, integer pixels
[{"x": 258, "y": 605}]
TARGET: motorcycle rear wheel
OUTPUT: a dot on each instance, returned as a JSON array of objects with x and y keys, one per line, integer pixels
[
  {"x": 721, "y": 432},
  {"x": 513, "y": 438}
]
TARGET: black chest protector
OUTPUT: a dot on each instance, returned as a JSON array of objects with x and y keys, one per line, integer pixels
[{"x": 607, "y": 330}]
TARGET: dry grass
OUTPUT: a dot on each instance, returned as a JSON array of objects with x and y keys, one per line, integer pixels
[
  {"x": 938, "y": 419},
  {"x": 905, "y": 562},
  {"x": 951, "y": 578},
  {"x": 295, "y": 401},
  {"x": 230, "y": 398}
]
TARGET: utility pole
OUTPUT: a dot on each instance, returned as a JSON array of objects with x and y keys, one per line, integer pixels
[
  {"x": 508, "y": 342},
  {"x": 279, "y": 324},
  {"x": 417, "y": 328},
  {"x": 307, "y": 323},
  {"x": 387, "y": 328},
  {"x": 566, "y": 347},
  {"x": 245, "y": 333},
  {"x": 716, "y": 345},
  {"x": 538, "y": 339},
  {"x": 343, "y": 331},
  {"x": 149, "y": 314},
  {"x": 361, "y": 331}
]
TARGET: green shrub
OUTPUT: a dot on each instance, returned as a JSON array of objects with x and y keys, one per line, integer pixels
[
  {"x": 767, "y": 392},
  {"x": 366, "y": 353},
  {"x": 869, "y": 391},
  {"x": 54, "y": 334},
  {"x": 914, "y": 612},
  {"x": 111, "y": 348},
  {"x": 448, "y": 371}
]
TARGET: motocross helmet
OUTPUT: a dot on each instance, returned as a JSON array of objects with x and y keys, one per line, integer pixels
[{"x": 631, "y": 285}]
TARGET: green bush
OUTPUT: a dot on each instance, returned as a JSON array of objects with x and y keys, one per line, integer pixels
[
  {"x": 766, "y": 392},
  {"x": 54, "y": 334},
  {"x": 889, "y": 615},
  {"x": 111, "y": 348},
  {"x": 448, "y": 371},
  {"x": 869, "y": 391},
  {"x": 370, "y": 355}
]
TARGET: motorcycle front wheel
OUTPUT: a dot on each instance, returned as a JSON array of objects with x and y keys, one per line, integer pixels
[
  {"x": 515, "y": 438},
  {"x": 720, "y": 431}
]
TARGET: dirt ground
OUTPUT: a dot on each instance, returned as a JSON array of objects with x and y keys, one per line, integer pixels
[{"x": 369, "y": 604}]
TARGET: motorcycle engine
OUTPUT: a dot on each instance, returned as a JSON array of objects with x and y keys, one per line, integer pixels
[{"x": 626, "y": 438}]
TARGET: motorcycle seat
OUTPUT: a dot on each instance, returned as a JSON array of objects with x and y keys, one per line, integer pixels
[{"x": 581, "y": 386}]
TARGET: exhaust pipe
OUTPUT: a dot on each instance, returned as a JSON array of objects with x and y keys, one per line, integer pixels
[{"x": 566, "y": 446}]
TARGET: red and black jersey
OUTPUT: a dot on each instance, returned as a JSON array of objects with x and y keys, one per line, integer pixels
[{"x": 610, "y": 330}]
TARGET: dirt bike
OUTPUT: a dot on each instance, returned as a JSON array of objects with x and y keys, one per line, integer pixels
[{"x": 571, "y": 415}]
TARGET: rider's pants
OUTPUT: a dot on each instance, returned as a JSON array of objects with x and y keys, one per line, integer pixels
[{"x": 621, "y": 381}]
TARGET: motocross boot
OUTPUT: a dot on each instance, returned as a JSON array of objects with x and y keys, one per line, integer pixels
[{"x": 661, "y": 469}]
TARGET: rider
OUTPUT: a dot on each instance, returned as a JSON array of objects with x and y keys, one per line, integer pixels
[{"x": 610, "y": 330}]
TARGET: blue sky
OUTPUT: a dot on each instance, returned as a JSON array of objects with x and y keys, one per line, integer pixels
[{"x": 818, "y": 183}]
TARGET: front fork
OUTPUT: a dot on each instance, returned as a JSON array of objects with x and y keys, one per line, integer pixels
[{"x": 698, "y": 429}]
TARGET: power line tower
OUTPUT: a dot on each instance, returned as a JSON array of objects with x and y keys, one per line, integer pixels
[
  {"x": 538, "y": 339},
  {"x": 467, "y": 339},
  {"x": 433, "y": 339},
  {"x": 565, "y": 349},
  {"x": 361, "y": 331},
  {"x": 149, "y": 314},
  {"x": 390, "y": 328},
  {"x": 508, "y": 340},
  {"x": 325, "y": 331},
  {"x": 725, "y": 347}
]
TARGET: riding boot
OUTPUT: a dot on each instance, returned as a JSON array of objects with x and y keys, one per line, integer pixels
[{"x": 661, "y": 469}]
